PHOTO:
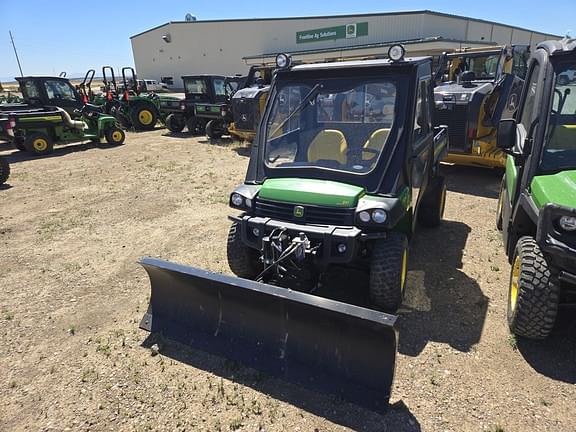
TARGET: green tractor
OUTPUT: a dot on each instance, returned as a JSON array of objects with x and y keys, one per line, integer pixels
[
  {"x": 55, "y": 113},
  {"x": 125, "y": 102},
  {"x": 537, "y": 204},
  {"x": 344, "y": 167}
]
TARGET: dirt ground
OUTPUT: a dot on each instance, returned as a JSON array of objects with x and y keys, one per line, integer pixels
[{"x": 73, "y": 225}]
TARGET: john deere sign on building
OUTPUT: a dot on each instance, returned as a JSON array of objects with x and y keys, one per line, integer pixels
[{"x": 331, "y": 33}]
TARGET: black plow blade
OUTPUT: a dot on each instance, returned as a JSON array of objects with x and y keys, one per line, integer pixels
[{"x": 324, "y": 345}]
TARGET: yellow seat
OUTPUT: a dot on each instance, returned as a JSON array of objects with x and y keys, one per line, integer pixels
[
  {"x": 563, "y": 138},
  {"x": 375, "y": 142},
  {"x": 329, "y": 144}
]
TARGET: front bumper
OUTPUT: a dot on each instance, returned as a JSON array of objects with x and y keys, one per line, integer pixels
[
  {"x": 558, "y": 245},
  {"x": 329, "y": 236}
]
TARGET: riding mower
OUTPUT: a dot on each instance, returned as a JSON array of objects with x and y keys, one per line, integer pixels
[
  {"x": 343, "y": 168},
  {"x": 481, "y": 85},
  {"x": 132, "y": 109},
  {"x": 537, "y": 204},
  {"x": 240, "y": 113}
]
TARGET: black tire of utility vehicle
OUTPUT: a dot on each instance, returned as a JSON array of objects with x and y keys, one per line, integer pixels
[
  {"x": 433, "y": 203},
  {"x": 19, "y": 145},
  {"x": 196, "y": 126},
  {"x": 214, "y": 129},
  {"x": 175, "y": 123},
  {"x": 39, "y": 143},
  {"x": 532, "y": 313},
  {"x": 388, "y": 269},
  {"x": 144, "y": 117},
  {"x": 243, "y": 261},
  {"x": 4, "y": 170},
  {"x": 500, "y": 205},
  {"x": 115, "y": 136}
]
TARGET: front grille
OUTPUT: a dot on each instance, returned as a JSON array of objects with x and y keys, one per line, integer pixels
[
  {"x": 455, "y": 119},
  {"x": 245, "y": 113},
  {"x": 316, "y": 215}
]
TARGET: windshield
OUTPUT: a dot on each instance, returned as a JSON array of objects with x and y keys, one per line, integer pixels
[
  {"x": 560, "y": 145},
  {"x": 196, "y": 86},
  {"x": 484, "y": 67},
  {"x": 341, "y": 124}
]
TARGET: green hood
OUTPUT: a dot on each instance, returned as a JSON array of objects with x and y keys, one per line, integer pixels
[
  {"x": 556, "y": 188},
  {"x": 312, "y": 192}
]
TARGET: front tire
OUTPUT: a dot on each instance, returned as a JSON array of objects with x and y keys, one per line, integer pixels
[
  {"x": 243, "y": 260},
  {"x": 39, "y": 143},
  {"x": 115, "y": 136},
  {"x": 388, "y": 270},
  {"x": 433, "y": 203},
  {"x": 215, "y": 129},
  {"x": 175, "y": 123},
  {"x": 533, "y": 295},
  {"x": 4, "y": 170}
]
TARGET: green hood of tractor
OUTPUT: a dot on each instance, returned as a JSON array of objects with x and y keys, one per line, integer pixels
[
  {"x": 556, "y": 188},
  {"x": 312, "y": 192}
]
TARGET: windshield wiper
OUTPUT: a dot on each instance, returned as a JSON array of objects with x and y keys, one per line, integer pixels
[{"x": 312, "y": 93}]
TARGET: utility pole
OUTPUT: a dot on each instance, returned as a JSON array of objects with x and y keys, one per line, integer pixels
[{"x": 16, "y": 53}]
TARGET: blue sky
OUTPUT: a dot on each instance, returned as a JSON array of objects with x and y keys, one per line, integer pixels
[{"x": 73, "y": 36}]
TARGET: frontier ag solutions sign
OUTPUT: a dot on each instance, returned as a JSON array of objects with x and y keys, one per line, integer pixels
[{"x": 346, "y": 31}]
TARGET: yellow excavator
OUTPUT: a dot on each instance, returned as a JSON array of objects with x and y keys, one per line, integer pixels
[{"x": 476, "y": 87}]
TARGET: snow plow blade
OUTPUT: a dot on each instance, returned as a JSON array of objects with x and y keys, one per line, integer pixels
[{"x": 321, "y": 344}]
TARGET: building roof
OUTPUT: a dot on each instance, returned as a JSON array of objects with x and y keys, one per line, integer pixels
[{"x": 360, "y": 15}]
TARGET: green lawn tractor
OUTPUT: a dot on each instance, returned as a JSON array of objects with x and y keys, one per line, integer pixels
[
  {"x": 537, "y": 204},
  {"x": 240, "y": 113},
  {"x": 343, "y": 168},
  {"x": 4, "y": 170},
  {"x": 134, "y": 110}
]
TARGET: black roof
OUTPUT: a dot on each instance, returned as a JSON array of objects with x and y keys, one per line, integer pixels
[
  {"x": 360, "y": 64},
  {"x": 41, "y": 77},
  {"x": 559, "y": 47},
  {"x": 202, "y": 76}
]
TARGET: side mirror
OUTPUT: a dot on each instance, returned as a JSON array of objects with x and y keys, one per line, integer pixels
[{"x": 506, "y": 138}]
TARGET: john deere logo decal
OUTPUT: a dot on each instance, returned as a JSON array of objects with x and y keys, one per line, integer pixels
[{"x": 299, "y": 211}]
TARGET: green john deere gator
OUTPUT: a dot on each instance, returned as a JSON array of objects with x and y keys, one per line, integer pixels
[
  {"x": 537, "y": 204},
  {"x": 344, "y": 166}
]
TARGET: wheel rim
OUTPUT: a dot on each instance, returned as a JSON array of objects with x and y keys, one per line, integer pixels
[
  {"x": 40, "y": 144},
  {"x": 145, "y": 117},
  {"x": 404, "y": 268},
  {"x": 116, "y": 136},
  {"x": 514, "y": 280}
]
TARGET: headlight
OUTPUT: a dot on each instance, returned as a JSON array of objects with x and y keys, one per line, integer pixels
[
  {"x": 364, "y": 216},
  {"x": 379, "y": 216},
  {"x": 283, "y": 60},
  {"x": 237, "y": 199},
  {"x": 567, "y": 223},
  {"x": 396, "y": 53}
]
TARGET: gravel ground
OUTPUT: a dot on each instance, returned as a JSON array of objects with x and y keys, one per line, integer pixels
[{"x": 73, "y": 225}]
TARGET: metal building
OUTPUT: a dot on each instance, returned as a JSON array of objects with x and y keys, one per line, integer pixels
[{"x": 228, "y": 47}]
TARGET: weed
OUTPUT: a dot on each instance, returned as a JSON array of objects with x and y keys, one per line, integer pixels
[
  {"x": 235, "y": 424},
  {"x": 494, "y": 268},
  {"x": 513, "y": 342},
  {"x": 545, "y": 402},
  {"x": 497, "y": 428},
  {"x": 8, "y": 316}
]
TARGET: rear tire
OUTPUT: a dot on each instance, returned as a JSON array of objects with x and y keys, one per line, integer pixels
[
  {"x": 175, "y": 123},
  {"x": 39, "y": 143},
  {"x": 115, "y": 136},
  {"x": 388, "y": 270},
  {"x": 214, "y": 129},
  {"x": 144, "y": 117},
  {"x": 195, "y": 126},
  {"x": 433, "y": 203},
  {"x": 533, "y": 295},
  {"x": 4, "y": 170},
  {"x": 243, "y": 260}
]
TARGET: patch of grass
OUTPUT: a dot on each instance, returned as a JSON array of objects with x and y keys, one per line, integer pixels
[
  {"x": 7, "y": 315},
  {"x": 235, "y": 424},
  {"x": 494, "y": 268},
  {"x": 103, "y": 347},
  {"x": 497, "y": 428},
  {"x": 545, "y": 403}
]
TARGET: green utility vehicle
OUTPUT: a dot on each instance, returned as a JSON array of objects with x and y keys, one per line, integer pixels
[
  {"x": 344, "y": 166},
  {"x": 537, "y": 205},
  {"x": 199, "y": 89},
  {"x": 240, "y": 113}
]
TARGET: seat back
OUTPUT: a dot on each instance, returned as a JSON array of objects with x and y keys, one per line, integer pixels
[
  {"x": 328, "y": 144},
  {"x": 375, "y": 142},
  {"x": 563, "y": 138}
]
